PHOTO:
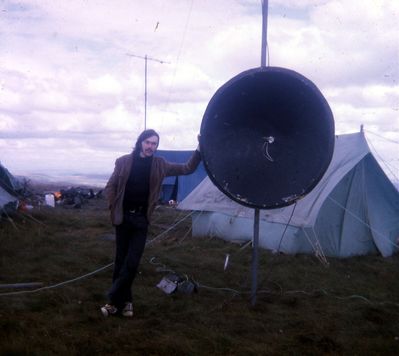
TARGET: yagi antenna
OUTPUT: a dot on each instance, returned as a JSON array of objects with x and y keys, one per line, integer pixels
[{"x": 146, "y": 59}]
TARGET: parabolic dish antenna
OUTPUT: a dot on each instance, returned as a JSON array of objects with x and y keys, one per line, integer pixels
[{"x": 267, "y": 137}]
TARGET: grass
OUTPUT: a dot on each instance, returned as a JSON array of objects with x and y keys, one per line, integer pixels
[{"x": 350, "y": 307}]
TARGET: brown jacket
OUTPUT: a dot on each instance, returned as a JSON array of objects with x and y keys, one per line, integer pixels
[{"x": 160, "y": 168}]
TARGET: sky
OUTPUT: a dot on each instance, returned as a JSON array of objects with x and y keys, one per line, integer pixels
[{"x": 72, "y": 73}]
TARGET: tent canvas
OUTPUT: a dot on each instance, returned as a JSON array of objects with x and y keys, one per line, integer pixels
[
  {"x": 177, "y": 188},
  {"x": 7, "y": 201},
  {"x": 353, "y": 210},
  {"x": 8, "y": 187}
]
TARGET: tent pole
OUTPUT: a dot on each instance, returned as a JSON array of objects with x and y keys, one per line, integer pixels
[{"x": 255, "y": 258}]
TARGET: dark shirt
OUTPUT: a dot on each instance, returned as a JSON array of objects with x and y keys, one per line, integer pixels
[
  {"x": 138, "y": 184},
  {"x": 159, "y": 170}
]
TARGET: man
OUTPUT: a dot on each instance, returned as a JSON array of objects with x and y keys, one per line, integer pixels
[{"x": 133, "y": 191}]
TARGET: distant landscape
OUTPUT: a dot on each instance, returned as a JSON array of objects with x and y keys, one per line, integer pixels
[
  {"x": 86, "y": 179},
  {"x": 66, "y": 179}
]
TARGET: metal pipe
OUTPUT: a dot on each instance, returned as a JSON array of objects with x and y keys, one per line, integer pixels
[
  {"x": 255, "y": 257},
  {"x": 145, "y": 94},
  {"x": 265, "y": 5}
]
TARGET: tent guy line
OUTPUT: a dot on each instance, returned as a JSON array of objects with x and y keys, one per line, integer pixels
[
  {"x": 318, "y": 250},
  {"x": 111, "y": 264},
  {"x": 354, "y": 296},
  {"x": 172, "y": 83},
  {"x": 93, "y": 272},
  {"x": 168, "y": 229},
  {"x": 364, "y": 223},
  {"x": 58, "y": 284},
  {"x": 382, "y": 137},
  {"x": 388, "y": 166}
]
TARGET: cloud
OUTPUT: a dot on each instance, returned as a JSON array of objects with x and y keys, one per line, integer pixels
[
  {"x": 70, "y": 93},
  {"x": 106, "y": 84}
]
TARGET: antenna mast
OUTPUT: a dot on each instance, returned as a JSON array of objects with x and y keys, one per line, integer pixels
[
  {"x": 265, "y": 7},
  {"x": 146, "y": 58}
]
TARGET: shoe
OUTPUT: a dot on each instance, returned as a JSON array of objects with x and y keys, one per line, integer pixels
[
  {"x": 109, "y": 309},
  {"x": 128, "y": 310}
]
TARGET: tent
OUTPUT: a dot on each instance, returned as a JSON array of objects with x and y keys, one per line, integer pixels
[
  {"x": 7, "y": 201},
  {"x": 177, "y": 188},
  {"x": 354, "y": 210},
  {"x": 9, "y": 186}
]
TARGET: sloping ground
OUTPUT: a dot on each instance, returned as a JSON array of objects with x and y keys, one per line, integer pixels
[{"x": 350, "y": 306}]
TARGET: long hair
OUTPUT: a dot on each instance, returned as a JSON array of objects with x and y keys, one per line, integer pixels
[{"x": 143, "y": 136}]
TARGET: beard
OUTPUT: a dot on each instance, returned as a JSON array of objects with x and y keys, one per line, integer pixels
[{"x": 148, "y": 152}]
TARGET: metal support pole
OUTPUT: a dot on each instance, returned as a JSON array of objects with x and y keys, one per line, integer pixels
[
  {"x": 255, "y": 258},
  {"x": 265, "y": 5},
  {"x": 145, "y": 94},
  {"x": 255, "y": 242}
]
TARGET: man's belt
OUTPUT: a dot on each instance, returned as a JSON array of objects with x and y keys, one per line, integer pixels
[{"x": 137, "y": 209}]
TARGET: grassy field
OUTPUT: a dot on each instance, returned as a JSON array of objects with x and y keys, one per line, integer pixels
[{"x": 350, "y": 307}]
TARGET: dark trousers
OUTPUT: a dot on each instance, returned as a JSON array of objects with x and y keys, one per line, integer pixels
[{"x": 131, "y": 237}]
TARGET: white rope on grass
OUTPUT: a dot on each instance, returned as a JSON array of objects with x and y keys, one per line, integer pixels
[
  {"x": 90, "y": 273},
  {"x": 316, "y": 246},
  {"x": 245, "y": 245},
  {"x": 3, "y": 211},
  {"x": 26, "y": 215},
  {"x": 168, "y": 229},
  {"x": 195, "y": 219},
  {"x": 58, "y": 284},
  {"x": 353, "y": 296},
  {"x": 215, "y": 288}
]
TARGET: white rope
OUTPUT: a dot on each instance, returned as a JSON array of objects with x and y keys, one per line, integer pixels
[
  {"x": 319, "y": 250},
  {"x": 58, "y": 284},
  {"x": 364, "y": 223},
  {"x": 179, "y": 53},
  {"x": 222, "y": 288},
  {"x": 170, "y": 228},
  {"x": 315, "y": 292},
  {"x": 316, "y": 246},
  {"x": 191, "y": 227},
  {"x": 286, "y": 227},
  {"x": 25, "y": 214},
  {"x": 388, "y": 167},
  {"x": 90, "y": 273},
  {"x": 353, "y": 296},
  {"x": 380, "y": 136},
  {"x": 9, "y": 219}
]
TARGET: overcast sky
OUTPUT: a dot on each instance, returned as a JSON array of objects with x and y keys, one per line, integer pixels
[{"x": 72, "y": 99}]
